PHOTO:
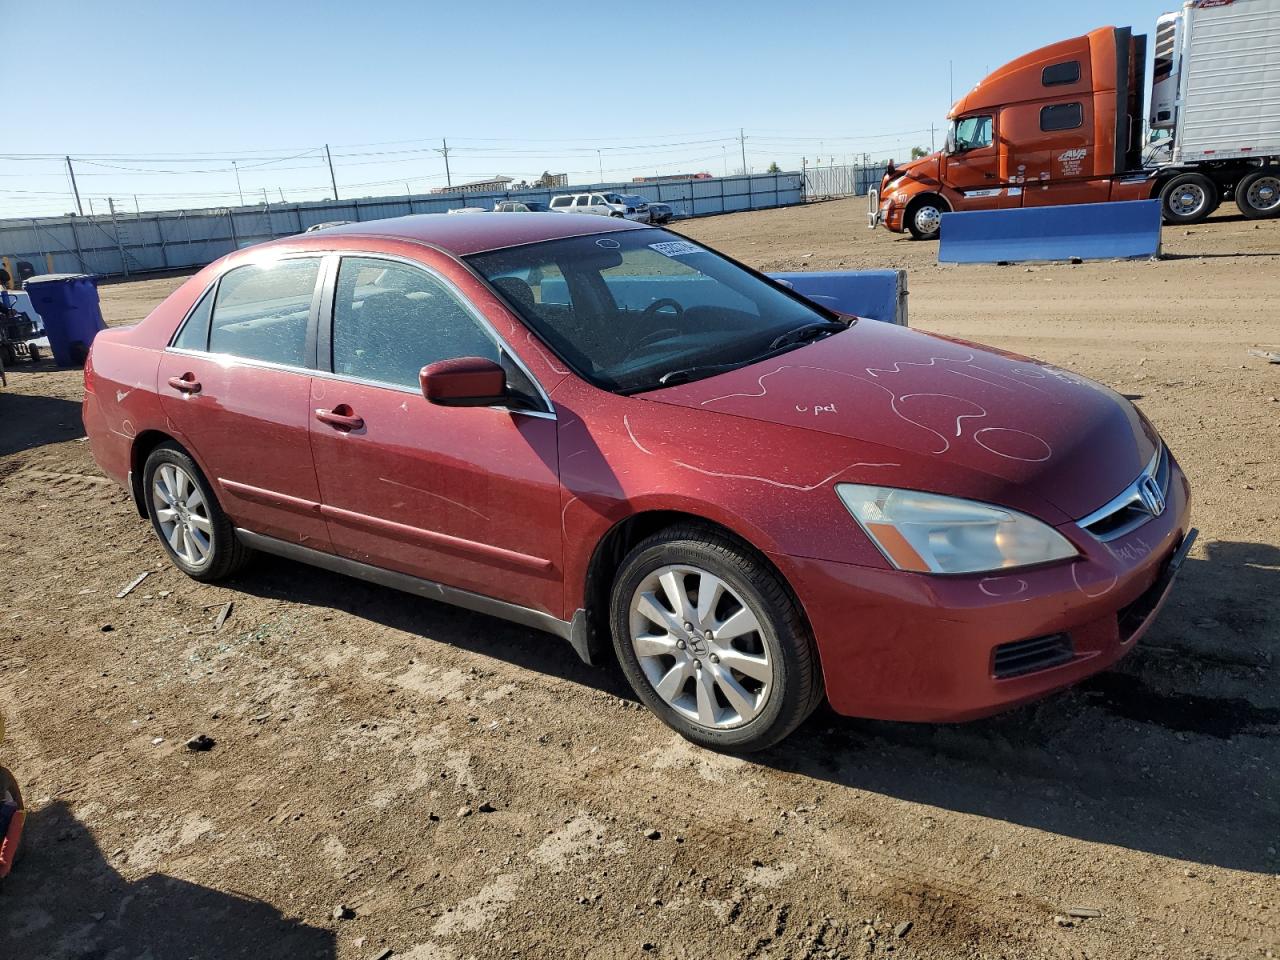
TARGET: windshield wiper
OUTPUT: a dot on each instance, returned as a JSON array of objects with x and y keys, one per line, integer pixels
[{"x": 810, "y": 331}]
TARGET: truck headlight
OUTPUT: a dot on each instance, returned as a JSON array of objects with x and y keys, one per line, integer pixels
[{"x": 929, "y": 533}]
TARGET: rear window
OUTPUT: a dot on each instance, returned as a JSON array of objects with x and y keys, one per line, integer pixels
[
  {"x": 1059, "y": 73},
  {"x": 562, "y": 201},
  {"x": 1061, "y": 116},
  {"x": 261, "y": 311}
]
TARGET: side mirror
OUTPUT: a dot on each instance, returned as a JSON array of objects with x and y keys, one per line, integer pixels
[{"x": 464, "y": 382}]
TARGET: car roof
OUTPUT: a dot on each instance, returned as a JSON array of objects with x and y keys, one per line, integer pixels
[{"x": 462, "y": 236}]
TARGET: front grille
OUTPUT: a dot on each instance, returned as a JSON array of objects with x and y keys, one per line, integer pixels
[
  {"x": 1027, "y": 656},
  {"x": 1127, "y": 512}
]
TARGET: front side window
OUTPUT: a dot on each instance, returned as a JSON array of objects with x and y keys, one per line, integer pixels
[
  {"x": 635, "y": 310},
  {"x": 1061, "y": 116},
  {"x": 971, "y": 133},
  {"x": 262, "y": 310},
  {"x": 391, "y": 319}
]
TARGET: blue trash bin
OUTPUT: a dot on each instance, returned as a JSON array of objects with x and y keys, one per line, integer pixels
[{"x": 68, "y": 304}]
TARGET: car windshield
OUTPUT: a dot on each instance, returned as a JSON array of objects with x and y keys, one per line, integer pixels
[
  {"x": 636, "y": 310},
  {"x": 633, "y": 199}
]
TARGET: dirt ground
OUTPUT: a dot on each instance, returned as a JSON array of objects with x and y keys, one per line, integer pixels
[{"x": 452, "y": 786}]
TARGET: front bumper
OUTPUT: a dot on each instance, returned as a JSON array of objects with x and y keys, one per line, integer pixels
[{"x": 905, "y": 646}]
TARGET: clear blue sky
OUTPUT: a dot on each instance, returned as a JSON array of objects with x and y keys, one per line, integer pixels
[{"x": 518, "y": 88}]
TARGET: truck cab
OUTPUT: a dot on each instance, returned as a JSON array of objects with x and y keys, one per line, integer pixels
[
  {"x": 1054, "y": 126},
  {"x": 1064, "y": 125}
]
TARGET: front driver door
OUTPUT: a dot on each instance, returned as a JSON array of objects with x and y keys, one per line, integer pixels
[
  {"x": 973, "y": 164},
  {"x": 464, "y": 496}
]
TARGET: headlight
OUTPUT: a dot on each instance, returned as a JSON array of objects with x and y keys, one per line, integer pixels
[{"x": 928, "y": 533}]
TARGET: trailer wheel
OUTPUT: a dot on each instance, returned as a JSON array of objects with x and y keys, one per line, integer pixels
[
  {"x": 1258, "y": 194},
  {"x": 924, "y": 217},
  {"x": 1188, "y": 198}
]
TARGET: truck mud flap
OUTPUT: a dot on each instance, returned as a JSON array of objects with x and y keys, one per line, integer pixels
[
  {"x": 875, "y": 294},
  {"x": 1082, "y": 231}
]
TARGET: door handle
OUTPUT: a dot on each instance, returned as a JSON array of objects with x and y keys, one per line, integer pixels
[
  {"x": 989, "y": 176},
  {"x": 340, "y": 418},
  {"x": 187, "y": 383}
]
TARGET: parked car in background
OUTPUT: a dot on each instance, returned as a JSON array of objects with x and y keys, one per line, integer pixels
[
  {"x": 324, "y": 226},
  {"x": 601, "y": 204},
  {"x": 614, "y": 434},
  {"x": 637, "y": 204},
  {"x": 520, "y": 206},
  {"x": 660, "y": 212}
]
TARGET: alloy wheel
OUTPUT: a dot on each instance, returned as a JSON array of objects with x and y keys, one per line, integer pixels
[
  {"x": 700, "y": 646},
  {"x": 182, "y": 513}
]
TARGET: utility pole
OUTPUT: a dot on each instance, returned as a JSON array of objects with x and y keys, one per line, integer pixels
[
  {"x": 600, "y": 164},
  {"x": 951, "y": 84},
  {"x": 725, "y": 150},
  {"x": 332, "y": 178},
  {"x": 281, "y": 189},
  {"x": 932, "y": 148},
  {"x": 742, "y": 141},
  {"x": 137, "y": 209},
  {"x": 444, "y": 151},
  {"x": 236, "y": 168},
  {"x": 115, "y": 226},
  {"x": 74, "y": 189}
]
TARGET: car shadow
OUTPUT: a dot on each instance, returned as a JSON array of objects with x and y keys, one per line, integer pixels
[
  {"x": 1166, "y": 754},
  {"x": 65, "y": 899},
  {"x": 28, "y": 420},
  {"x": 1172, "y": 752}
]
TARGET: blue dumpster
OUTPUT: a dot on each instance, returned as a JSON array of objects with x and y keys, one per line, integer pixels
[{"x": 68, "y": 304}]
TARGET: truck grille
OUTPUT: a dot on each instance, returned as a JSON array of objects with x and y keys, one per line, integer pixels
[{"x": 1027, "y": 656}]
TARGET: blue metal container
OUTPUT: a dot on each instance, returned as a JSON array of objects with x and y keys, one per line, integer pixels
[{"x": 68, "y": 304}]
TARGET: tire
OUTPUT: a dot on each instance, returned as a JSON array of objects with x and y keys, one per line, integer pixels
[
  {"x": 705, "y": 697},
  {"x": 207, "y": 548},
  {"x": 1258, "y": 194},
  {"x": 33, "y": 353},
  {"x": 924, "y": 218},
  {"x": 1188, "y": 198}
]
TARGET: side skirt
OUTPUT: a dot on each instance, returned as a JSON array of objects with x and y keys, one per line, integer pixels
[{"x": 535, "y": 619}]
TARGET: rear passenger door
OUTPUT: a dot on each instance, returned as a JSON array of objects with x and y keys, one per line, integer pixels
[
  {"x": 464, "y": 496},
  {"x": 235, "y": 385}
]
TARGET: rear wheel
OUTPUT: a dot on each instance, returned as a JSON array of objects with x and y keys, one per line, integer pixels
[
  {"x": 712, "y": 641},
  {"x": 924, "y": 218},
  {"x": 186, "y": 516},
  {"x": 1188, "y": 198},
  {"x": 1258, "y": 194}
]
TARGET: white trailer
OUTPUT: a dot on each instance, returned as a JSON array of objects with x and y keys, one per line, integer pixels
[{"x": 1215, "y": 89}]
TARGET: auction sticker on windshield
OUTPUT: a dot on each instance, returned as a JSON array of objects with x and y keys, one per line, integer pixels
[{"x": 676, "y": 248}]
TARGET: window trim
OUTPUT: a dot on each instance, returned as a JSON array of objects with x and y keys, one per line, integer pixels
[
  {"x": 1044, "y": 82},
  {"x": 325, "y": 365},
  {"x": 1078, "y": 104}
]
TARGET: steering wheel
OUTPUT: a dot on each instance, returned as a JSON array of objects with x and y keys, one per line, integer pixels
[
  {"x": 656, "y": 335},
  {"x": 657, "y": 305}
]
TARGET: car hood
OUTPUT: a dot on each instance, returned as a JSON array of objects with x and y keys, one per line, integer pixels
[{"x": 964, "y": 419}]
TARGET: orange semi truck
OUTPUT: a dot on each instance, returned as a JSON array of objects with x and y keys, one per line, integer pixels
[{"x": 1064, "y": 124}]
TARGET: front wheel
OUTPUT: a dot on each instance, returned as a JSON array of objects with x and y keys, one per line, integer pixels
[
  {"x": 924, "y": 219},
  {"x": 1258, "y": 194},
  {"x": 1188, "y": 198},
  {"x": 186, "y": 516},
  {"x": 712, "y": 641}
]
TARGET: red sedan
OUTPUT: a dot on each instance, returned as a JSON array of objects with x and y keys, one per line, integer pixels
[{"x": 614, "y": 434}]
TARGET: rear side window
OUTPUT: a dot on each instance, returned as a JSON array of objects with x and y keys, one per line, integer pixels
[
  {"x": 562, "y": 201},
  {"x": 261, "y": 311},
  {"x": 1061, "y": 116},
  {"x": 1059, "y": 73},
  {"x": 194, "y": 334},
  {"x": 583, "y": 201},
  {"x": 390, "y": 320}
]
